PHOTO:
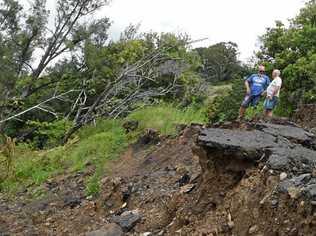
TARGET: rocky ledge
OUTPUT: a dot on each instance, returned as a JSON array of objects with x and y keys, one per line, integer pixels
[{"x": 285, "y": 149}]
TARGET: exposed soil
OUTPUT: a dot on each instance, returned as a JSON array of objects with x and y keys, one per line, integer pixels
[
  {"x": 177, "y": 191},
  {"x": 306, "y": 116}
]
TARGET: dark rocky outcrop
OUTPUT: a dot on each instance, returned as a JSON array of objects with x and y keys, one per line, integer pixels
[{"x": 280, "y": 148}]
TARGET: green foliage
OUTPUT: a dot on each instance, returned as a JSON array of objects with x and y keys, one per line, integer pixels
[
  {"x": 165, "y": 117},
  {"x": 253, "y": 112},
  {"x": 219, "y": 61},
  {"x": 48, "y": 134},
  {"x": 292, "y": 49},
  {"x": 24, "y": 32},
  {"x": 106, "y": 62},
  {"x": 226, "y": 106}
]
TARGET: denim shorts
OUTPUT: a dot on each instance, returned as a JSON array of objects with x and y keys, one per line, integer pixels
[
  {"x": 251, "y": 100},
  {"x": 271, "y": 104}
]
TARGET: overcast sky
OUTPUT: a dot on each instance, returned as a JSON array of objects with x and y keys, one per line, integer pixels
[
  {"x": 219, "y": 20},
  {"x": 239, "y": 21}
]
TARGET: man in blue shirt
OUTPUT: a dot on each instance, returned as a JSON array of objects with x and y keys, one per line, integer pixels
[{"x": 256, "y": 86}]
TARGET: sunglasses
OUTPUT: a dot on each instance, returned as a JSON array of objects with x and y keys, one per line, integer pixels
[{"x": 261, "y": 71}]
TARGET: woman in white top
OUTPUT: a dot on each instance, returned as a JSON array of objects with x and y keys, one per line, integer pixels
[{"x": 273, "y": 93}]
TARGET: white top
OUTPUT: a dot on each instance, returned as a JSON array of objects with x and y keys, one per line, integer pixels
[{"x": 274, "y": 87}]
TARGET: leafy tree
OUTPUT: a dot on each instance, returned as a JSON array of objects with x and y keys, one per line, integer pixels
[
  {"x": 26, "y": 36},
  {"x": 219, "y": 61},
  {"x": 293, "y": 50}
]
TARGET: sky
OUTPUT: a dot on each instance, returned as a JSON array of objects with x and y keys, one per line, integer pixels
[{"x": 239, "y": 21}]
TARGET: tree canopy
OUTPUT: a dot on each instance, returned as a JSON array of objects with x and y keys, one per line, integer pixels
[
  {"x": 220, "y": 61},
  {"x": 293, "y": 50}
]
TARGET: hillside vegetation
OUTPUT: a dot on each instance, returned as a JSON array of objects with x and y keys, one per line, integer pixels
[{"x": 93, "y": 145}]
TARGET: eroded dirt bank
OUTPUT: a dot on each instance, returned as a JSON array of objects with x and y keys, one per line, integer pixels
[{"x": 234, "y": 179}]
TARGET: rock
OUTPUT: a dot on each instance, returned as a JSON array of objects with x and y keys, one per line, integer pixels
[
  {"x": 277, "y": 143},
  {"x": 146, "y": 234},
  {"x": 283, "y": 176},
  {"x": 185, "y": 179},
  {"x": 274, "y": 203},
  {"x": 240, "y": 144},
  {"x": 127, "y": 220},
  {"x": 310, "y": 191},
  {"x": 253, "y": 229},
  {"x": 194, "y": 177},
  {"x": 295, "y": 182},
  {"x": 181, "y": 170},
  {"x": 231, "y": 224},
  {"x": 287, "y": 158},
  {"x": 151, "y": 136},
  {"x": 107, "y": 230},
  {"x": 292, "y": 133},
  {"x": 286, "y": 222},
  {"x": 179, "y": 231},
  {"x": 294, "y": 192},
  {"x": 71, "y": 201},
  {"x": 187, "y": 188},
  {"x": 293, "y": 232}
]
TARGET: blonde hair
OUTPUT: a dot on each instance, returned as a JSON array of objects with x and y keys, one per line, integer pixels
[{"x": 277, "y": 72}]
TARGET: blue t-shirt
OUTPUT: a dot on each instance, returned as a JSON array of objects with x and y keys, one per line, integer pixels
[{"x": 258, "y": 84}]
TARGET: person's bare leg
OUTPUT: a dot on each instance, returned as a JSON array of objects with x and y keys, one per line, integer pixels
[
  {"x": 268, "y": 113},
  {"x": 242, "y": 112}
]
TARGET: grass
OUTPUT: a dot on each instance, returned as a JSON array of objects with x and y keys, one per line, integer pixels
[
  {"x": 92, "y": 145},
  {"x": 217, "y": 90},
  {"x": 165, "y": 118},
  {"x": 96, "y": 145}
]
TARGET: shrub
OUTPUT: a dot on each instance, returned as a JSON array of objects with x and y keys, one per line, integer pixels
[
  {"x": 48, "y": 134},
  {"x": 226, "y": 106}
]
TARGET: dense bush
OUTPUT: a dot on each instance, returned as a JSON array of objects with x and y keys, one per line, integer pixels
[
  {"x": 226, "y": 106},
  {"x": 48, "y": 134}
]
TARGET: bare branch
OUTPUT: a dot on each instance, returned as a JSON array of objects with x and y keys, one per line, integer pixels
[{"x": 36, "y": 106}]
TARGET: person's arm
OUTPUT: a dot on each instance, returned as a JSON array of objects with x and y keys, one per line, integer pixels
[
  {"x": 247, "y": 84},
  {"x": 247, "y": 87},
  {"x": 266, "y": 86}
]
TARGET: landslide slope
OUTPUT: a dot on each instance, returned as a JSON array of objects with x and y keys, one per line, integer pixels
[{"x": 232, "y": 179}]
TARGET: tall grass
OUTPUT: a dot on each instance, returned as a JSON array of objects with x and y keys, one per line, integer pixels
[{"x": 166, "y": 117}]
